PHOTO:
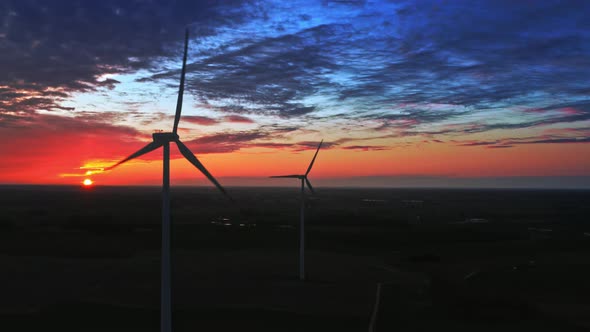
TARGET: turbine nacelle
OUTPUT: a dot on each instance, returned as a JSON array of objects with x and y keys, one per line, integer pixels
[{"x": 162, "y": 138}]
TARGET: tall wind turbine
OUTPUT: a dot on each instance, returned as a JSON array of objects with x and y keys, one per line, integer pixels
[
  {"x": 304, "y": 181},
  {"x": 163, "y": 140}
]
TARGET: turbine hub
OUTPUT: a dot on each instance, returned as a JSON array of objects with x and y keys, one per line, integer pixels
[{"x": 165, "y": 137}]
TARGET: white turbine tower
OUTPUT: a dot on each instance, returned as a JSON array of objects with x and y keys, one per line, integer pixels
[
  {"x": 304, "y": 180},
  {"x": 163, "y": 140}
]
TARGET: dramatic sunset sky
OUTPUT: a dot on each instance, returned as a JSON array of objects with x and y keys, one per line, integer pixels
[{"x": 404, "y": 93}]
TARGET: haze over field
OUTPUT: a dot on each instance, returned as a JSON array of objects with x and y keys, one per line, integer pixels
[{"x": 404, "y": 93}]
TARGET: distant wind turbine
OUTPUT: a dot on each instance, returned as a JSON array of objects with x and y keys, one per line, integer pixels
[
  {"x": 304, "y": 180},
  {"x": 163, "y": 140}
]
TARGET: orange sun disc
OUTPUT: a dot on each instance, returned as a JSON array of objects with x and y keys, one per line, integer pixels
[{"x": 87, "y": 182}]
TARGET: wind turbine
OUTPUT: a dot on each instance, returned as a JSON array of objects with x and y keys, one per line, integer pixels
[
  {"x": 162, "y": 139},
  {"x": 304, "y": 180}
]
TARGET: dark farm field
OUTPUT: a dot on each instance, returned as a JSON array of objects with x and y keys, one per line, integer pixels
[{"x": 75, "y": 259}]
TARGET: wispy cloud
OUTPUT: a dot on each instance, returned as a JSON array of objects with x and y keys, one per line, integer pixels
[
  {"x": 238, "y": 119},
  {"x": 366, "y": 147},
  {"x": 557, "y": 136},
  {"x": 200, "y": 120}
]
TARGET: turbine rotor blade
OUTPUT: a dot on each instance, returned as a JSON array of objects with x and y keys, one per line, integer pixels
[
  {"x": 148, "y": 148},
  {"x": 309, "y": 186},
  {"x": 286, "y": 176},
  {"x": 193, "y": 160},
  {"x": 181, "y": 87},
  {"x": 313, "y": 160}
]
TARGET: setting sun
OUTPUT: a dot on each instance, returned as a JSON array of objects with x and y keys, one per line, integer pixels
[{"x": 87, "y": 182}]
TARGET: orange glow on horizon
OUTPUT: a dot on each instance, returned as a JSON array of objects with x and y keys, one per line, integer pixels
[
  {"x": 73, "y": 164},
  {"x": 428, "y": 160},
  {"x": 87, "y": 182}
]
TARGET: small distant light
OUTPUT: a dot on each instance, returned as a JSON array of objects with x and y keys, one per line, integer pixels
[{"x": 87, "y": 182}]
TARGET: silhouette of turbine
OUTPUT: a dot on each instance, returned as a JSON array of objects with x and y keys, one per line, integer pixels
[
  {"x": 304, "y": 180},
  {"x": 163, "y": 140}
]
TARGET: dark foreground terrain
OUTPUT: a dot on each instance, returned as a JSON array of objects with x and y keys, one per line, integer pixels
[{"x": 74, "y": 259}]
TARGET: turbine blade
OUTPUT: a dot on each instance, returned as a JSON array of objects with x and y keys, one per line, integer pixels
[
  {"x": 193, "y": 160},
  {"x": 181, "y": 87},
  {"x": 286, "y": 176},
  {"x": 313, "y": 160},
  {"x": 309, "y": 186},
  {"x": 148, "y": 148}
]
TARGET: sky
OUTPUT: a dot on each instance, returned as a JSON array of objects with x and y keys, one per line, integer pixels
[{"x": 403, "y": 93}]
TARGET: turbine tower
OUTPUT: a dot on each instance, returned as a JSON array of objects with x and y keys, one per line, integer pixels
[
  {"x": 163, "y": 140},
  {"x": 304, "y": 181}
]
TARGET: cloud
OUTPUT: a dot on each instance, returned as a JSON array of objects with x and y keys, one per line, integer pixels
[
  {"x": 478, "y": 57},
  {"x": 366, "y": 147},
  {"x": 208, "y": 121},
  {"x": 578, "y": 116},
  {"x": 269, "y": 74},
  {"x": 404, "y": 68},
  {"x": 559, "y": 136},
  {"x": 270, "y": 145},
  {"x": 415, "y": 115},
  {"x": 312, "y": 145},
  {"x": 478, "y": 143},
  {"x": 558, "y": 140},
  {"x": 567, "y": 131},
  {"x": 259, "y": 138},
  {"x": 238, "y": 119},
  {"x": 200, "y": 120},
  {"x": 226, "y": 142},
  {"x": 50, "y": 50}
]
